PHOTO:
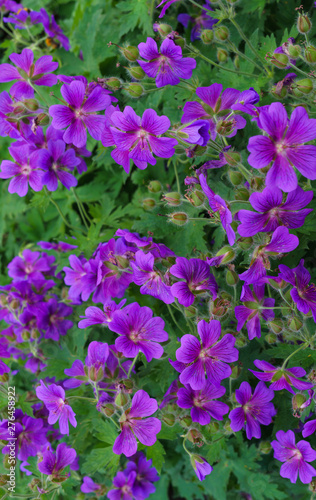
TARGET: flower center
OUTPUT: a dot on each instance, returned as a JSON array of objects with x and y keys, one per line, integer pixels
[
  {"x": 26, "y": 170},
  {"x": 280, "y": 147},
  {"x": 203, "y": 354}
]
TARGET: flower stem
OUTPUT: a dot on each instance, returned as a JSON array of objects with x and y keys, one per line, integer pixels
[
  {"x": 115, "y": 423},
  {"x": 177, "y": 176},
  {"x": 246, "y": 40},
  {"x": 199, "y": 54},
  {"x": 174, "y": 319},
  {"x": 132, "y": 366},
  {"x": 61, "y": 214},
  {"x": 82, "y": 210},
  {"x": 302, "y": 346},
  {"x": 301, "y": 71}
]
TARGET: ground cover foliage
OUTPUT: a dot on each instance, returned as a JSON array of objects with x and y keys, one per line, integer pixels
[{"x": 157, "y": 260}]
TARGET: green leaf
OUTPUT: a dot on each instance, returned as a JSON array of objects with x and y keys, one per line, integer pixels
[
  {"x": 104, "y": 430},
  {"x": 32, "y": 466},
  {"x": 98, "y": 459},
  {"x": 156, "y": 453}
]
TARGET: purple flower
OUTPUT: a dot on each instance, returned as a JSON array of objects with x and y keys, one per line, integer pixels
[
  {"x": 146, "y": 475},
  {"x": 211, "y": 98},
  {"x": 53, "y": 397},
  {"x": 78, "y": 374},
  {"x": 31, "y": 436},
  {"x": 274, "y": 212},
  {"x": 123, "y": 486},
  {"x": 23, "y": 18},
  {"x": 53, "y": 30},
  {"x": 133, "y": 426},
  {"x": 303, "y": 294},
  {"x": 23, "y": 171},
  {"x": 27, "y": 73},
  {"x": 151, "y": 279},
  {"x": 202, "y": 404},
  {"x": 79, "y": 277},
  {"x": 198, "y": 278},
  {"x": 253, "y": 310},
  {"x": 168, "y": 66},
  {"x": 295, "y": 456},
  {"x": 281, "y": 378},
  {"x": 61, "y": 246},
  {"x": 56, "y": 161},
  {"x": 138, "y": 331},
  {"x": 217, "y": 204},
  {"x": 89, "y": 486},
  {"x": 254, "y": 409},
  {"x": 203, "y": 21},
  {"x": 139, "y": 138},
  {"x": 211, "y": 356},
  {"x": 200, "y": 466},
  {"x": 284, "y": 50},
  {"x": 284, "y": 146},
  {"x": 51, "y": 319},
  {"x": 94, "y": 315},
  {"x": 10, "y": 5},
  {"x": 80, "y": 114},
  {"x": 29, "y": 266},
  {"x": 309, "y": 428},
  {"x": 53, "y": 464},
  {"x": 165, "y": 7}
]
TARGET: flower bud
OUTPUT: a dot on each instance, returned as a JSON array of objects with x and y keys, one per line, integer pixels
[
  {"x": 222, "y": 55},
  {"x": 237, "y": 62},
  {"x": 108, "y": 409},
  {"x": 231, "y": 278},
  {"x": 279, "y": 60},
  {"x": 179, "y": 218},
  {"x": 276, "y": 325},
  {"x": 235, "y": 177},
  {"x": 4, "y": 378},
  {"x": 134, "y": 89},
  {"x": 163, "y": 29},
  {"x": 245, "y": 243},
  {"x": 304, "y": 23},
  {"x": 168, "y": 419},
  {"x": 130, "y": 53},
  {"x": 304, "y": 86},
  {"x": 225, "y": 127},
  {"x": 236, "y": 371},
  {"x": 42, "y": 119},
  {"x": 220, "y": 307},
  {"x": 207, "y": 36},
  {"x": 113, "y": 83},
  {"x": 271, "y": 338},
  {"x": 154, "y": 186},
  {"x": 31, "y": 104},
  {"x": 213, "y": 428},
  {"x": 242, "y": 194},
  {"x": 297, "y": 401},
  {"x": 190, "y": 311},
  {"x": 197, "y": 198},
  {"x": 195, "y": 437},
  {"x": 232, "y": 158},
  {"x": 136, "y": 72},
  {"x": 186, "y": 421},
  {"x": 173, "y": 199},
  {"x": 295, "y": 324},
  {"x": 265, "y": 447},
  {"x": 310, "y": 54},
  {"x": 221, "y": 33},
  {"x": 121, "y": 399},
  {"x": 278, "y": 93},
  {"x": 228, "y": 253},
  {"x": 149, "y": 203},
  {"x": 294, "y": 51}
]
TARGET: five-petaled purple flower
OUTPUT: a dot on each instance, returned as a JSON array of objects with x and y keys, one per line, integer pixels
[
  {"x": 210, "y": 356},
  {"x": 303, "y": 294},
  {"x": 89, "y": 486},
  {"x": 56, "y": 163},
  {"x": 53, "y": 397},
  {"x": 23, "y": 171},
  {"x": 198, "y": 279},
  {"x": 200, "y": 466},
  {"x": 284, "y": 146},
  {"x": 273, "y": 212},
  {"x": 28, "y": 73},
  {"x": 53, "y": 464},
  {"x": 253, "y": 310},
  {"x": 80, "y": 113},
  {"x": 294, "y": 456},
  {"x": 168, "y": 66},
  {"x": 133, "y": 426},
  {"x": 202, "y": 402},
  {"x": 254, "y": 409},
  {"x": 281, "y": 378},
  {"x": 146, "y": 475},
  {"x": 138, "y": 331}
]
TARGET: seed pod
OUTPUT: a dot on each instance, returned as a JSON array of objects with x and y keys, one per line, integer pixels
[
  {"x": 179, "y": 218},
  {"x": 222, "y": 33},
  {"x": 130, "y": 53},
  {"x": 304, "y": 23},
  {"x": 149, "y": 203},
  {"x": 235, "y": 177},
  {"x": 222, "y": 55},
  {"x": 304, "y": 86},
  {"x": 310, "y": 54},
  {"x": 113, "y": 83},
  {"x": 154, "y": 186},
  {"x": 245, "y": 243},
  {"x": 207, "y": 36},
  {"x": 136, "y": 72},
  {"x": 173, "y": 199},
  {"x": 231, "y": 278},
  {"x": 281, "y": 61},
  {"x": 135, "y": 90}
]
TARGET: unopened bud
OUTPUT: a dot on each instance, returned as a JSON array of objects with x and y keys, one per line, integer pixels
[
  {"x": 241, "y": 341},
  {"x": 222, "y": 55},
  {"x": 228, "y": 253},
  {"x": 35, "y": 334},
  {"x": 213, "y": 428},
  {"x": 197, "y": 198},
  {"x": 121, "y": 399},
  {"x": 242, "y": 194},
  {"x": 304, "y": 86},
  {"x": 265, "y": 447},
  {"x": 294, "y": 51},
  {"x": 179, "y": 218},
  {"x": 186, "y": 421},
  {"x": 295, "y": 324},
  {"x": 113, "y": 83},
  {"x": 154, "y": 186},
  {"x": 108, "y": 410},
  {"x": 14, "y": 304},
  {"x": 136, "y": 72},
  {"x": 42, "y": 119},
  {"x": 279, "y": 60},
  {"x": 271, "y": 338},
  {"x": 237, "y": 62},
  {"x": 173, "y": 199},
  {"x": 232, "y": 158},
  {"x": 297, "y": 401},
  {"x": 304, "y": 23},
  {"x": 207, "y": 36},
  {"x": 134, "y": 89},
  {"x": 278, "y": 93},
  {"x": 236, "y": 178},
  {"x": 231, "y": 278},
  {"x": 178, "y": 40},
  {"x": 31, "y": 104},
  {"x": 310, "y": 54},
  {"x": 276, "y": 325},
  {"x": 222, "y": 33},
  {"x": 169, "y": 419},
  {"x": 245, "y": 243},
  {"x": 130, "y": 53},
  {"x": 190, "y": 311},
  {"x": 149, "y": 203},
  {"x": 312, "y": 486},
  {"x": 195, "y": 437},
  {"x": 163, "y": 29}
]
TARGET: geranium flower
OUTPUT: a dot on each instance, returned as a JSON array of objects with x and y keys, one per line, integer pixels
[
  {"x": 53, "y": 397},
  {"x": 281, "y": 378},
  {"x": 202, "y": 403}
]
